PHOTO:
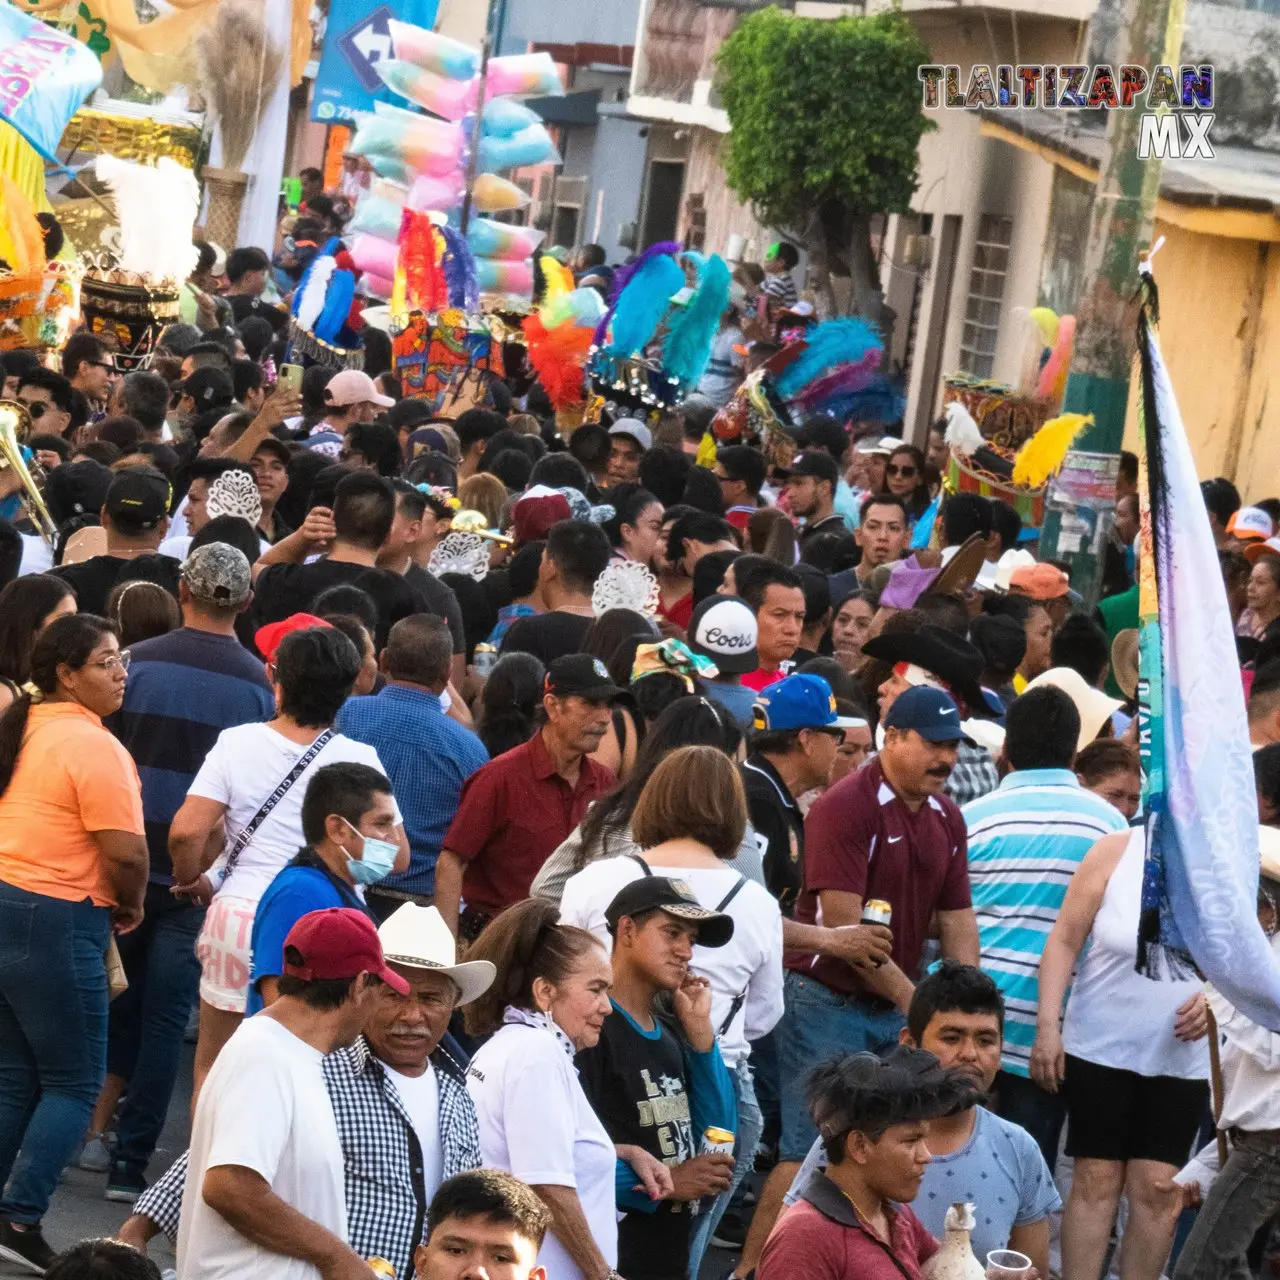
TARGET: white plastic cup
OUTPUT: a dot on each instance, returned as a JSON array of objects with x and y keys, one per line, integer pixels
[{"x": 1007, "y": 1264}]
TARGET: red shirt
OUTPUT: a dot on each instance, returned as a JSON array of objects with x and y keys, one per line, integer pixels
[
  {"x": 513, "y": 813},
  {"x": 760, "y": 678},
  {"x": 679, "y": 614},
  {"x": 861, "y": 838},
  {"x": 821, "y": 1238}
]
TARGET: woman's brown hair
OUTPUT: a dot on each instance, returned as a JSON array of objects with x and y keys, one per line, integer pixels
[
  {"x": 1105, "y": 757},
  {"x": 694, "y": 794},
  {"x": 523, "y": 943}
]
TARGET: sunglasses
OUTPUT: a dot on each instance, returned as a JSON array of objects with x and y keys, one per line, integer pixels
[
  {"x": 36, "y": 409},
  {"x": 893, "y": 469}
]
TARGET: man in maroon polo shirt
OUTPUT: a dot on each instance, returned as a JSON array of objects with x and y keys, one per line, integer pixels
[
  {"x": 887, "y": 832},
  {"x": 516, "y": 809}
]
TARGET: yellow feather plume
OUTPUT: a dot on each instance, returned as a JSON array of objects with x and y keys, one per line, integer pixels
[
  {"x": 1042, "y": 455},
  {"x": 22, "y": 241},
  {"x": 558, "y": 277},
  {"x": 706, "y": 455}
]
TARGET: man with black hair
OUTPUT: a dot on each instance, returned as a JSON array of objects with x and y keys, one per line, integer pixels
[
  {"x": 522, "y": 581},
  {"x": 311, "y": 182},
  {"x": 86, "y": 366},
  {"x": 1222, "y": 501},
  {"x": 775, "y": 594},
  {"x": 664, "y": 473},
  {"x": 371, "y": 446},
  {"x": 1082, "y": 645},
  {"x": 559, "y": 471},
  {"x": 1026, "y": 838},
  {"x": 247, "y": 270},
  {"x": 483, "y": 1223},
  {"x": 246, "y": 377},
  {"x": 475, "y": 428},
  {"x": 264, "y": 1197},
  {"x": 1264, "y": 705},
  {"x": 741, "y": 471},
  {"x": 1127, "y": 476},
  {"x": 688, "y": 539},
  {"x": 1006, "y": 525},
  {"x": 811, "y": 487},
  {"x": 882, "y": 533},
  {"x": 574, "y": 557},
  {"x": 817, "y": 613},
  {"x": 963, "y": 515},
  {"x": 135, "y": 516},
  {"x": 956, "y": 1014},
  {"x": 13, "y": 364},
  {"x": 427, "y": 755},
  {"x": 144, "y": 397},
  {"x": 350, "y": 537},
  {"x": 102, "y": 1260},
  {"x": 215, "y": 352},
  {"x": 591, "y": 446},
  {"x": 49, "y": 399}
]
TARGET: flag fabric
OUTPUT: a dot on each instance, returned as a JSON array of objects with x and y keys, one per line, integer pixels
[
  {"x": 1200, "y": 883},
  {"x": 45, "y": 75}
]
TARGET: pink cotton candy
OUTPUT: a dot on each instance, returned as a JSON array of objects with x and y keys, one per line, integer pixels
[
  {"x": 374, "y": 256},
  {"x": 441, "y": 194}
]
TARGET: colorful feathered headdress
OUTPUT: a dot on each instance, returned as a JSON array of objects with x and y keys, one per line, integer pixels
[{"x": 560, "y": 334}]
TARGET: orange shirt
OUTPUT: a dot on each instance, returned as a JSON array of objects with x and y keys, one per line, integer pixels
[{"x": 72, "y": 778}]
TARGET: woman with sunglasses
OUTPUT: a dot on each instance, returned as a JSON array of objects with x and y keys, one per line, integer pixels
[
  {"x": 73, "y": 867},
  {"x": 904, "y": 478}
]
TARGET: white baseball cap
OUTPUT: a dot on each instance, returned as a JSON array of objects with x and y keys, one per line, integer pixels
[
  {"x": 723, "y": 628},
  {"x": 1250, "y": 523},
  {"x": 354, "y": 386}
]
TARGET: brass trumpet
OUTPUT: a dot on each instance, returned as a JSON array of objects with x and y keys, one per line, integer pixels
[{"x": 15, "y": 425}]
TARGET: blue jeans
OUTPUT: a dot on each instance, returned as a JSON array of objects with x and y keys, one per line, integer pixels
[
  {"x": 819, "y": 1024},
  {"x": 750, "y": 1127},
  {"x": 53, "y": 1039},
  {"x": 144, "y": 1038}
]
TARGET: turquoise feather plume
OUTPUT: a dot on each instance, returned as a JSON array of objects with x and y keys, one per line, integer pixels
[
  {"x": 834, "y": 342},
  {"x": 688, "y": 345},
  {"x": 642, "y": 304}
]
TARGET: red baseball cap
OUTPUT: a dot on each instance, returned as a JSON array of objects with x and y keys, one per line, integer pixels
[
  {"x": 535, "y": 513},
  {"x": 268, "y": 638},
  {"x": 339, "y": 942}
]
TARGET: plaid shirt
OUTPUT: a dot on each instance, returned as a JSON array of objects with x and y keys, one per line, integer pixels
[
  {"x": 381, "y": 1157},
  {"x": 974, "y": 775}
]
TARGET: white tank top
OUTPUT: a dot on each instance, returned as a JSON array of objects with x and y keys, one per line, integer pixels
[{"x": 1115, "y": 1016}]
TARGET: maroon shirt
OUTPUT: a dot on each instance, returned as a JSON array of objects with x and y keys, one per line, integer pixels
[
  {"x": 821, "y": 1238},
  {"x": 861, "y": 838},
  {"x": 513, "y": 813}
]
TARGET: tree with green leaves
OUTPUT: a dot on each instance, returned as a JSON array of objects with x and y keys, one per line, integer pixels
[{"x": 827, "y": 119}]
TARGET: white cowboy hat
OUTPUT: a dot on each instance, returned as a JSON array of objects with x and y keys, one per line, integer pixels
[
  {"x": 1094, "y": 706},
  {"x": 418, "y": 938},
  {"x": 1012, "y": 560}
]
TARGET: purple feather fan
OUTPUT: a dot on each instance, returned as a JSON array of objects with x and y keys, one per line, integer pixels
[
  {"x": 622, "y": 277},
  {"x": 844, "y": 380}
]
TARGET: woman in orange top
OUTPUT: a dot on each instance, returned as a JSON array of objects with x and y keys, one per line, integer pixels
[{"x": 73, "y": 865}]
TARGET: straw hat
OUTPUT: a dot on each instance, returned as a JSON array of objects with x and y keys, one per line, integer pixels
[
  {"x": 1094, "y": 706},
  {"x": 1124, "y": 661}
]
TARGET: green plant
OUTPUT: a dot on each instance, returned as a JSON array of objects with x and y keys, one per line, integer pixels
[{"x": 826, "y": 119}]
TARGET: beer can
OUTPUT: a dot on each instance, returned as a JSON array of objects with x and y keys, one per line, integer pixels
[
  {"x": 484, "y": 659},
  {"x": 381, "y": 1267},
  {"x": 877, "y": 911},
  {"x": 717, "y": 1142}
]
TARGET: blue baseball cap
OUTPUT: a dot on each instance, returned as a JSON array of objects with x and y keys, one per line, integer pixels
[
  {"x": 799, "y": 702},
  {"x": 929, "y": 711}
]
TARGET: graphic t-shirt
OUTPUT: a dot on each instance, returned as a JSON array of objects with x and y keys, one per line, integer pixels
[{"x": 636, "y": 1083}]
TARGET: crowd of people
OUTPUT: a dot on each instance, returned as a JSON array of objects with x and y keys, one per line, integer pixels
[{"x": 521, "y": 914}]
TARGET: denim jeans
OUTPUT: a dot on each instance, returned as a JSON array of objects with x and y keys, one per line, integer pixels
[
  {"x": 1039, "y": 1112},
  {"x": 819, "y": 1024},
  {"x": 53, "y": 1039},
  {"x": 144, "y": 1038},
  {"x": 750, "y": 1127},
  {"x": 1244, "y": 1196}
]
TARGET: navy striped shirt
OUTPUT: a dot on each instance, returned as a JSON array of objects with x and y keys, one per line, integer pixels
[{"x": 184, "y": 688}]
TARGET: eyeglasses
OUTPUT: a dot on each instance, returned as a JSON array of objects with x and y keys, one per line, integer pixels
[
  {"x": 116, "y": 660},
  {"x": 893, "y": 469}
]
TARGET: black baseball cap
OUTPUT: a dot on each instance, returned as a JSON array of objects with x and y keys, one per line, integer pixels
[
  {"x": 815, "y": 462},
  {"x": 579, "y": 675},
  {"x": 662, "y": 893},
  {"x": 209, "y": 388},
  {"x": 273, "y": 444},
  {"x": 138, "y": 499},
  {"x": 77, "y": 489}
]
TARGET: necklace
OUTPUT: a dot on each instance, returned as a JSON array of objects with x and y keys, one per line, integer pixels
[{"x": 861, "y": 1213}]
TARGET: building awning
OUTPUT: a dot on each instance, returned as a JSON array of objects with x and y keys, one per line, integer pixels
[
  {"x": 1236, "y": 194},
  {"x": 577, "y": 108}
]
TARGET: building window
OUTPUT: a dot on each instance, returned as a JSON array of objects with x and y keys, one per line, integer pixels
[{"x": 986, "y": 291}]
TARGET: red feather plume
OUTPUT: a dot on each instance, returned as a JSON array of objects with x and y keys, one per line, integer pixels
[
  {"x": 559, "y": 357},
  {"x": 422, "y": 257}
]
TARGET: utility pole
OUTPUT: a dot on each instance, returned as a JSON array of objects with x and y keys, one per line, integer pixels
[{"x": 1143, "y": 33}]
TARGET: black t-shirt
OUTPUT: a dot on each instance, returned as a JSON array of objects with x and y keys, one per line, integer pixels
[
  {"x": 636, "y": 1084},
  {"x": 93, "y": 579},
  {"x": 243, "y": 305},
  {"x": 548, "y": 636},
  {"x": 285, "y": 589},
  {"x": 440, "y": 600},
  {"x": 831, "y": 524},
  {"x": 779, "y": 827}
]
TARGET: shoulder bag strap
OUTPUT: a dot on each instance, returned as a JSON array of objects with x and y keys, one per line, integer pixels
[
  {"x": 741, "y": 998},
  {"x": 641, "y": 863},
  {"x": 282, "y": 788}
]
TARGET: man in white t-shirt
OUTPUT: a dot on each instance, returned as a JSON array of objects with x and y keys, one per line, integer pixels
[{"x": 264, "y": 1193}]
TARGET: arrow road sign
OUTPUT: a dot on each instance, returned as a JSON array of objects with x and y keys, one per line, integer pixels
[{"x": 366, "y": 43}]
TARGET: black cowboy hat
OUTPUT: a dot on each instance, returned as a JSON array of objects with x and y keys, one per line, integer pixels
[{"x": 943, "y": 654}]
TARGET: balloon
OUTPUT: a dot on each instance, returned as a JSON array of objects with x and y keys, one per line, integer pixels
[
  {"x": 378, "y": 217},
  {"x": 444, "y": 194},
  {"x": 530, "y": 146},
  {"x": 504, "y": 277},
  {"x": 432, "y": 51},
  {"x": 374, "y": 256},
  {"x": 492, "y": 194},
  {"x": 451, "y": 99},
  {"x": 502, "y": 117},
  {"x": 525, "y": 74},
  {"x": 488, "y": 239}
]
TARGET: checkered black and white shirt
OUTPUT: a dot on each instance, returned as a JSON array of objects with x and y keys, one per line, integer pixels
[
  {"x": 381, "y": 1156},
  {"x": 975, "y": 774}
]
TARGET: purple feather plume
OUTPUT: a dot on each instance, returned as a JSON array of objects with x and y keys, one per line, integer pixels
[
  {"x": 459, "y": 266},
  {"x": 841, "y": 381},
  {"x": 622, "y": 277}
]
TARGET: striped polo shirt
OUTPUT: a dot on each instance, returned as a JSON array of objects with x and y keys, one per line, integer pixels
[{"x": 1026, "y": 839}]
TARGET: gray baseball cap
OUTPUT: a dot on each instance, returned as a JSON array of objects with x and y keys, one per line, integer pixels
[{"x": 218, "y": 574}]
